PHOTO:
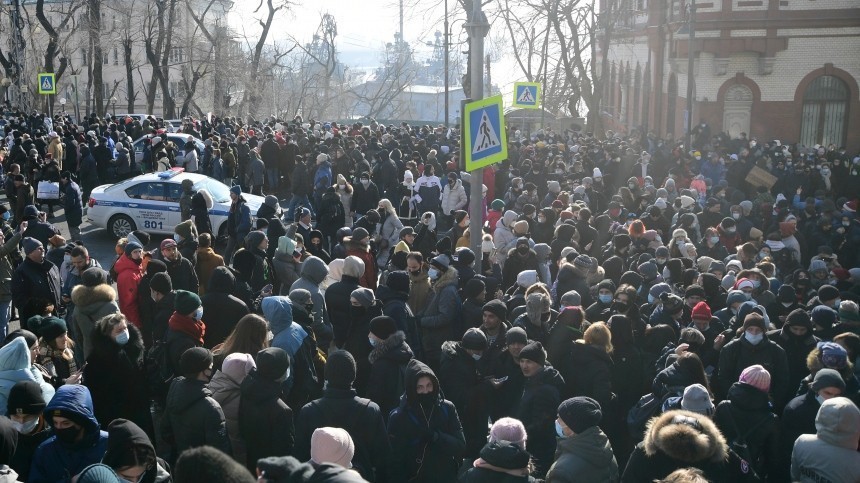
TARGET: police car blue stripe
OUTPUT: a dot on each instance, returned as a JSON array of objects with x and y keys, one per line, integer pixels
[{"x": 147, "y": 206}]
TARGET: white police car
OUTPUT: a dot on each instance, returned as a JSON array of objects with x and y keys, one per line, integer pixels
[{"x": 150, "y": 202}]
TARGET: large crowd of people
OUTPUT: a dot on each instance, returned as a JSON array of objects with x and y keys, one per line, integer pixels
[{"x": 640, "y": 310}]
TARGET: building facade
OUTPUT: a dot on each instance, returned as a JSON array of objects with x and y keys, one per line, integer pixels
[{"x": 774, "y": 69}]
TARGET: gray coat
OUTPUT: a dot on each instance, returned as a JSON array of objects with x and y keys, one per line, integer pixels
[
  {"x": 91, "y": 304},
  {"x": 313, "y": 272},
  {"x": 441, "y": 312},
  {"x": 6, "y": 267}
]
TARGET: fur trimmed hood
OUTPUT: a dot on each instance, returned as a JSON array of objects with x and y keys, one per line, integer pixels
[
  {"x": 685, "y": 436},
  {"x": 83, "y": 296},
  {"x": 394, "y": 348},
  {"x": 447, "y": 277}
]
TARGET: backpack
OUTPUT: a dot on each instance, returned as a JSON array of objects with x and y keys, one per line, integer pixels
[
  {"x": 738, "y": 444},
  {"x": 648, "y": 407},
  {"x": 159, "y": 372}
]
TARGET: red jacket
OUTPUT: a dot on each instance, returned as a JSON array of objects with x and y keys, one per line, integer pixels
[
  {"x": 368, "y": 278},
  {"x": 128, "y": 278}
]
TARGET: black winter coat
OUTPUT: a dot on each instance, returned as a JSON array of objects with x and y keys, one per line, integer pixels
[
  {"x": 222, "y": 309},
  {"x": 570, "y": 278},
  {"x": 798, "y": 418},
  {"x": 501, "y": 457},
  {"x": 192, "y": 418},
  {"x": 592, "y": 371},
  {"x": 746, "y": 415},
  {"x": 427, "y": 440},
  {"x": 508, "y": 396},
  {"x": 200, "y": 212},
  {"x": 265, "y": 421},
  {"x": 113, "y": 374},
  {"x": 515, "y": 264},
  {"x": 466, "y": 387},
  {"x": 34, "y": 285},
  {"x": 182, "y": 274},
  {"x": 360, "y": 417},
  {"x": 537, "y": 409},
  {"x": 338, "y": 306},
  {"x": 739, "y": 354},
  {"x": 387, "y": 370},
  {"x": 796, "y": 349}
]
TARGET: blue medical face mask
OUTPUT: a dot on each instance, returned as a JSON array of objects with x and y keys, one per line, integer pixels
[
  {"x": 606, "y": 298},
  {"x": 651, "y": 299},
  {"x": 559, "y": 430},
  {"x": 198, "y": 314},
  {"x": 6, "y": 215}
]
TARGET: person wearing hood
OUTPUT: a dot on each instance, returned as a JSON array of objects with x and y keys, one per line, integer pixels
[
  {"x": 745, "y": 418},
  {"x": 114, "y": 371},
  {"x": 760, "y": 286},
  {"x": 538, "y": 318},
  {"x": 797, "y": 340},
  {"x": 425, "y": 433},
  {"x": 830, "y": 454},
  {"x": 573, "y": 275},
  {"x": 314, "y": 271},
  {"x": 225, "y": 387},
  {"x": 425, "y": 234},
  {"x": 224, "y": 309},
  {"x": 337, "y": 298},
  {"x": 25, "y": 409},
  {"x": 265, "y": 420},
  {"x": 207, "y": 261},
  {"x": 340, "y": 407},
  {"x": 751, "y": 348},
  {"x": 583, "y": 452},
  {"x": 302, "y": 383},
  {"x": 443, "y": 309},
  {"x": 286, "y": 263},
  {"x": 192, "y": 417},
  {"x": 315, "y": 246},
  {"x": 394, "y": 296},
  {"x": 785, "y": 303},
  {"x": 474, "y": 293},
  {"x": 504, "y": 237},
  {"x": 538, "y": 404},
  {"x": 388, "y": 361},
  {"x": 131, "y": 454},
  {"x": 684, "y": 439},
  {"x": 332, "y": 213},
  {"x": 77, "y": 441},
  {"x": 94, "y": 298},
  {"x": 262, "y": 273},
  {"x": 201, "y": 203}
]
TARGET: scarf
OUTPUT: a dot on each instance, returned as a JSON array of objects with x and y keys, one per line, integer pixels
[{"x": 188, "y": 326}]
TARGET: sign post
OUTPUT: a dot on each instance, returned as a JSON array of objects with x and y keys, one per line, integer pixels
[
  {"x": 527, "y": 95},
  {"x": 48, "y": 86}
]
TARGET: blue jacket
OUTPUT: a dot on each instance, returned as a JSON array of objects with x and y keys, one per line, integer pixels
[
  {"x": 57, "y": 461},
  {"x": 15, "y": 366},
  {"x": 322, "y": 177}
]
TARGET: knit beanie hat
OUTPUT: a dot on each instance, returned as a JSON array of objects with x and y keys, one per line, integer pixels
[
  {"x": 29, "y": 244},
  {"x": 473, "y": 288},
  {"x": 527, "y": 278},
  {"x": 363, "y": 296},
  {"x": 659, "y": 289},
  {"x": 701, "y": 312},
  {"x": 474, "y": 339},
  {"x": 697, "y": 399},
  {"x": 580, "y": 413},
  {"x": 827, "y": 378},
  {"x": 534, "y": 352},
  {"x": 823, "y": 316},
  {"x": 93, "y": 276},
  {"x": 300, "y": 297},
  {"x": 194, "y": 361},
  {"x": 340, "y": 369},
  {"x": 398, "y": 281},
  {"x": 332, "y": 445},
  {"x": 832, "y": 355},
  {"x": 48, "y": 328},
  {"x": 497, "y": 308},
  {"x": 694, "y": 291},
  {"x": 735, "y": 296},
  {"x": 273, "y": 363},
  {"x": 583, "y": 262},
  {"x": 98, "y": 473},
  {"x": 671, "y": 303},
  {"x": 383, "y": 326},
  {"x": 648, "y": 270},
  {"x": 509, "y": 429},
  {"x": 757, "y": 377},
  {"x": 185, "y": 302},
  {"x": 516, "y": 335},
  {"x": 25, "y": 397},
  {"x": 798, "y": 318},
  {"x": 754, "y": 319},
  {"x": 848, "y": 315},
  {"x": 161, "y": 283},
  {"x": 827, "y": 292},
  {"x": 131, "y": 247}
]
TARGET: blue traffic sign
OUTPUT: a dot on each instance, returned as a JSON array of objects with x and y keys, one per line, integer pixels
[
  {"x": 485, "y": 142},
  {"x": 47, "y": 83},
  {"x": 527, "y": 95}
]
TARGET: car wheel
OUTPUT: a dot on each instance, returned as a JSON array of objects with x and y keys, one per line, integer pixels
[{"x": 120, "y": 226}]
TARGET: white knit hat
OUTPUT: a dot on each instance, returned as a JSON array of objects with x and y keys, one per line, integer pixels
[{"x": 332, "y": 445}]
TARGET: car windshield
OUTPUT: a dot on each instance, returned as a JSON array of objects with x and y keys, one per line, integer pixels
[
  {"x": 121, "y": 185},
  {"x": 219, "y": 191}
]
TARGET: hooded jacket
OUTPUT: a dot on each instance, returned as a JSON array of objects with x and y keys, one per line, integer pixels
[
  {"x": 302, "y": 384},
  {"x": 830, "y": 454},
  {"x": 426, "y": 439},
  {"x": 193, "y": 418},
  {"x": 113, "y": 374},
  {"x": 442, "y": 311},
  {"x": 314, "y": 271},
  {"x": 129, "y": 274},
  {"x": 586, "y": 456},
  {"x": 682, "y": 439},
  {"x": 504, "y": 237},
  {"x": 225, "y": 387},
  {"x": 58, "y": 461},
  {"x": 265, "y": 421},
  {"x": 746, "y": 414},
  {"x": 91, "y": 304},
  {"x": 453, "y": 198},
  {"x": 207, "y": 261},
  {"x": 125, "y": 435},
  {"x": 15, "y": 366},
  {"x": 222, "y": 309},
  {"x": 388, "y": 361},
  {"x": 466, "y": 387}
]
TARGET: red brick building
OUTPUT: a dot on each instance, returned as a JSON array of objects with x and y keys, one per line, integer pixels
[{"x": 775, "y": 69}]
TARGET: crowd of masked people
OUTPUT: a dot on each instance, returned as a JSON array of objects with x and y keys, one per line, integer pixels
[{"x": 640, "y": 313}]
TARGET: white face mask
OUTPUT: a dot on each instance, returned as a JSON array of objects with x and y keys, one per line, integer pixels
[
  {"x": 753, "y": 339},
  {"x": 433, "y": 274},
  {"x": 715, "y": 240},
  {"x": 365, "y": 182},
  {"x": 25, "y": 428},
  {"x": 477, "y": 357},
  {"x": 466, "y": 222},
  {"x": 819, "y": 398},
  {"x": 736, "y": 215},
  {"x": 342, "y": 186},
  {"x": 177, "y": 238}
]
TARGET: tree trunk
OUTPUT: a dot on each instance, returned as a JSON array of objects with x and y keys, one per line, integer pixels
[
  {"x": 129, "y": 73},
  {"x": 97, "y": 54}
]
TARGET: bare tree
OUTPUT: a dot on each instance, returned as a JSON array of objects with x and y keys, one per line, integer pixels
[
  {"x": 94, "y": 30},
  {"x": 158, "y": 45},
  {"x": 384, "y": 95},
  {"x": 252, "y": 96}
]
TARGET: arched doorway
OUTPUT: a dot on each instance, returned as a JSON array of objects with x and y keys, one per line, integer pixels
[
  {"x": 737, "y": 108},
  {"x": 670, "y": 105},
  {"x": 825, "y": 112}
]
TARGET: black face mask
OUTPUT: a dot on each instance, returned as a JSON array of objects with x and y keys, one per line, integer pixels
[
  {"x": 523, "y": 250},
  {"x": 67, "y": 435},
  {"x": 619, "y": 307},
  {"x": 427, "y": 399},
  {"x": 415, "y": 273},
  {"x": 358, "y": 311}
]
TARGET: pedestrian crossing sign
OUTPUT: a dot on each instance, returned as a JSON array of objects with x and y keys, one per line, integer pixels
[
  {"x": 485, "y": 141},
  {"x": 47, "y": 83},
  {"x": 527, "y": 95}
]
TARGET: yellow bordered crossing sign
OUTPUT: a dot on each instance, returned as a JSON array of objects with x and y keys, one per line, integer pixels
[{"x": 485, "y": 140}]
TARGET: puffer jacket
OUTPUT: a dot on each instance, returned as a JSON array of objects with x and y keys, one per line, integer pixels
[
  {"x": 265, "y": 421},
  {"x": 442, "y": 311},
  {"x": 504, "y": 237},
  {"x": 314, "y": 271},
  {"x": 537, "y": 409},
  {"x": 469, "y": 391},
  {"x": 388, "y": 361},
  {"x": 585, "y": 456},
  {"x": 500, "y": 462},
  {"x": 91, "y": 304},
  {"x": 225, "y": 387},
  {"x": 302, "y": 383},
  {"x": 390, "y": 232},
  {"x": 222, "y": 309},
  {"x": 15, "y": 366},
  {"x": 192, "y": 418},
  {"x": 746, "y": 415},
  {"x": 453, "y": 198}
]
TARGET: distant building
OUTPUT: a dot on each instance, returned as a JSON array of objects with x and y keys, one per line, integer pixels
[{"x": 775, "y": 69}]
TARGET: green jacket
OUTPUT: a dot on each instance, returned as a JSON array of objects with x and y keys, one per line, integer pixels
[{"x": 6, "y": 266}]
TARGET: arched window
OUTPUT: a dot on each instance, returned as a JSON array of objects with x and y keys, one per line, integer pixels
[
  {"x": 825, "y": 112},
  {"x": 670, "y": 106}
]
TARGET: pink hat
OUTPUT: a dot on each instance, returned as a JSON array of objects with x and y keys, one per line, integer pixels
[
  {"x": 332, "y": 445},
  {"x": 509, "y": 429},
  {"x": 757, "y": 377}
]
